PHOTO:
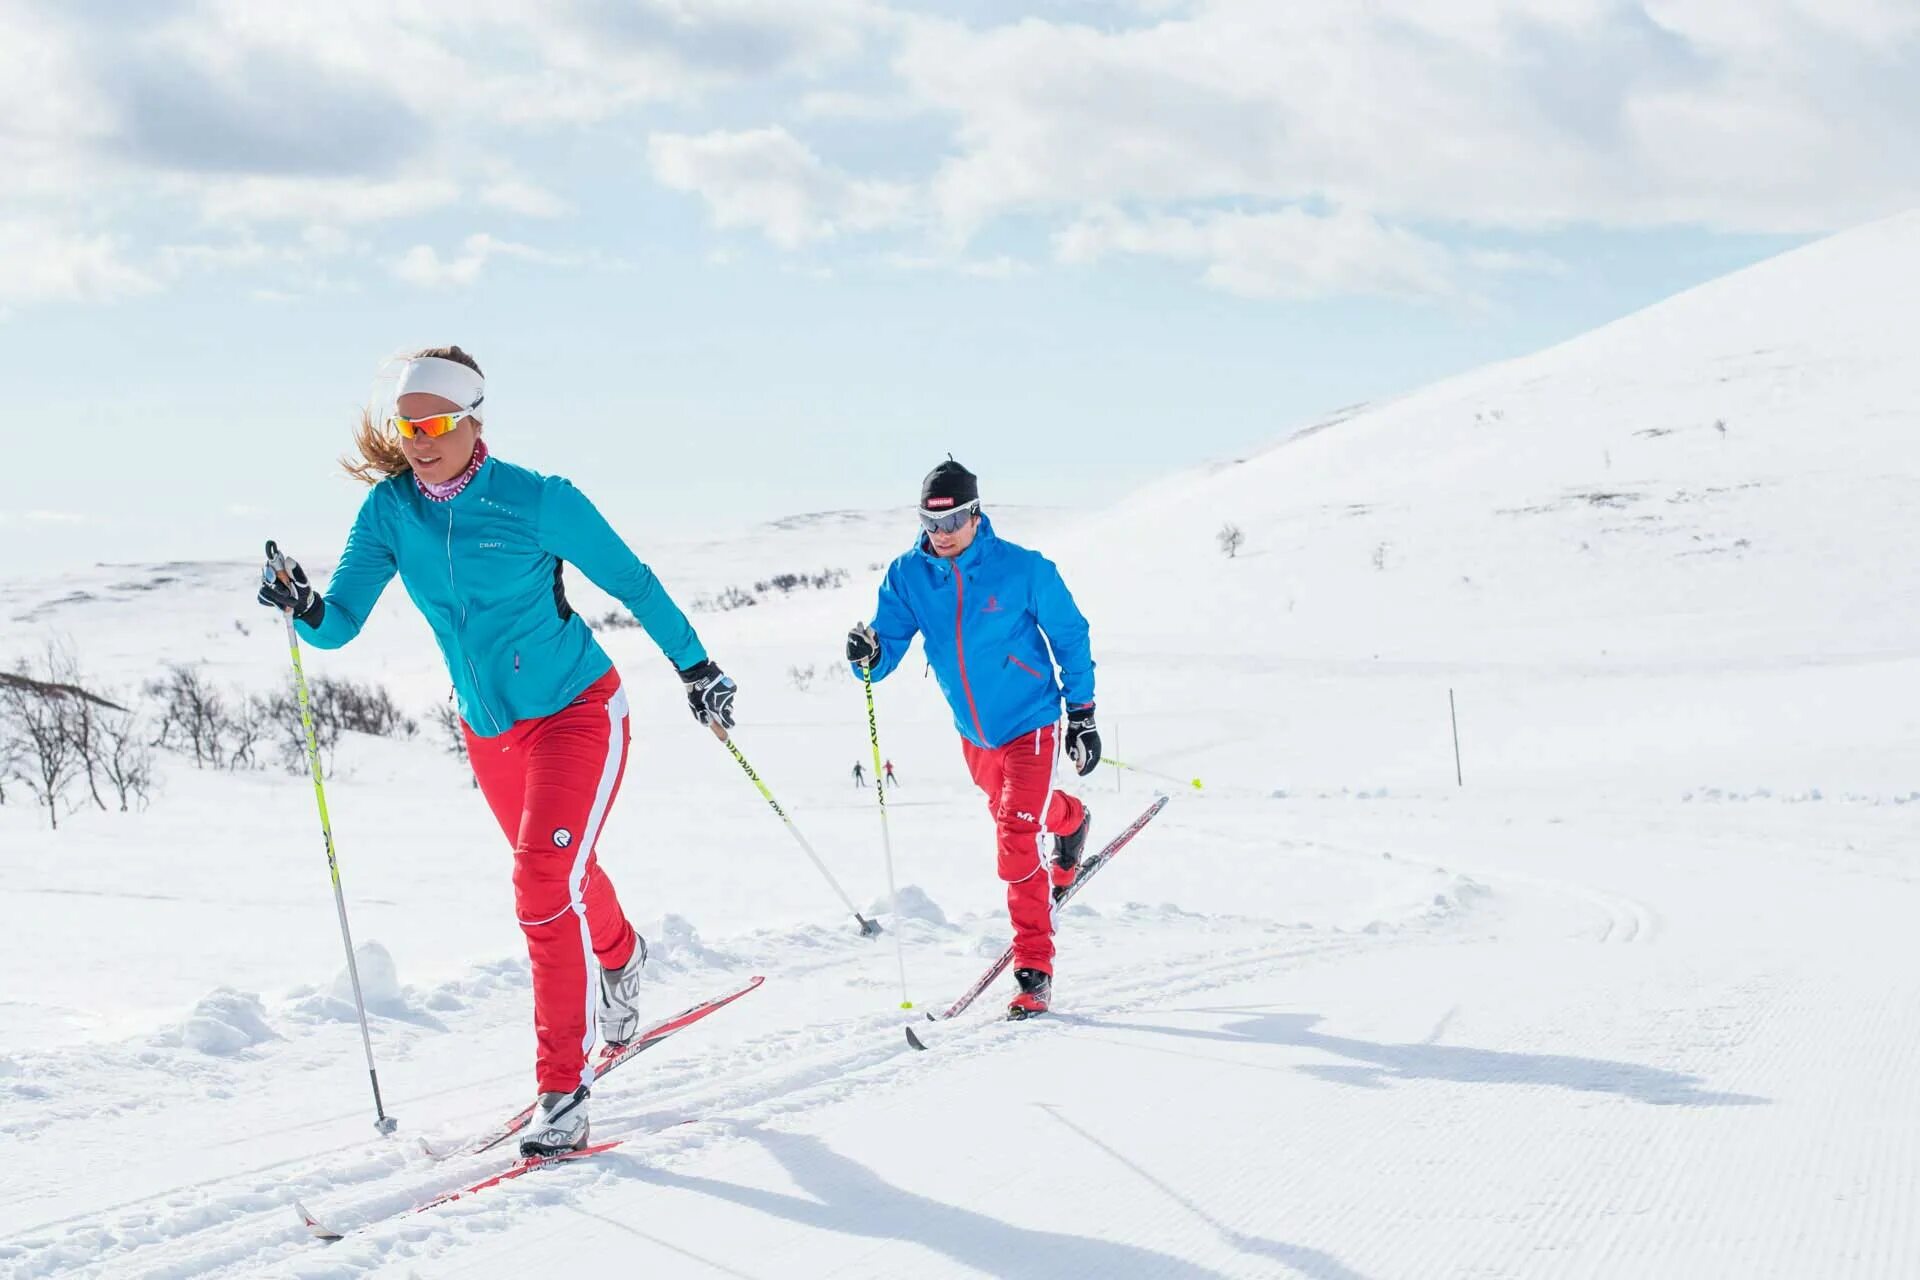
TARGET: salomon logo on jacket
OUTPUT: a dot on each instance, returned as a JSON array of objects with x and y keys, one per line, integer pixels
[{"x": 987, "y": 618}]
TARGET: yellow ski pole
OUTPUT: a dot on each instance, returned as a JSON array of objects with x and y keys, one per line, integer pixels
[
  {"x": 1152, "y": 773},
  {"x": 382, "y": 1121},
  {"x": 867, "y": 927},
  {"x": 886, "y": 839}
]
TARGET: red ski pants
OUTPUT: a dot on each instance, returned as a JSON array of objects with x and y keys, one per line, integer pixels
[
  {"x": 1027, "y": 812},
  {"x": 550, "y": 783}
]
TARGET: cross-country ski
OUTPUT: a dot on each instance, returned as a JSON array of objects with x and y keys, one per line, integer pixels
[
  {"x": 609, "y": 1057},
  {"x": 1062, "y": 896},
  {"x": 524, "y": 1165}
]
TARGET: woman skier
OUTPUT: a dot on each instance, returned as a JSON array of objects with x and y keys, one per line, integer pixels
[
  {"x": 989, "y": 610},
  {"x": 480, "y": 545}
]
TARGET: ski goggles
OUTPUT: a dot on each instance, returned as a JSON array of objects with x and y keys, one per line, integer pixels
[
  {"x": 433, "y": 426},
  {"x": 949, "y": 521}
]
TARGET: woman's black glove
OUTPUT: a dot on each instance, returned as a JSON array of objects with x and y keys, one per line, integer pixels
[
  {"x": 284, "y": 585},
  {"x": 710, "y": 693}
]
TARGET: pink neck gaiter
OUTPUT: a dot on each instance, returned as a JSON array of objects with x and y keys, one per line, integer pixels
[{"x": 449, "y": 490}]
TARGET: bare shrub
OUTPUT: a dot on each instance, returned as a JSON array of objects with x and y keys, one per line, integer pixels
[
  {"x": 39, "y": 717},
  {"x": 361, "y": 708},
  {"x": 125, "y": 757},
  {"x": 446, "y": 723},
  {"x": 192, "y": 716},
  {"x": 1230, "y": 539},
  {"x": 245, "y": 730}
]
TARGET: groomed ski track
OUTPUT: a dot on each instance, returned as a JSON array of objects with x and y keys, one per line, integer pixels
[{"x": 1542, "y": 1057}]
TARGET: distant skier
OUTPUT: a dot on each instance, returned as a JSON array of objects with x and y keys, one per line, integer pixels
[
  {"x": 480, "y": 545},
  {"x": 891, "y": 780},
  {"x": 859, "y": 776},
  {"x": 988, "y": 611}
]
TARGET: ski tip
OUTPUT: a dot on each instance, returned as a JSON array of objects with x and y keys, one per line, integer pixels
[
  {"x": 914, "y": 1039},
  {"x": 317, "y": 1229}
]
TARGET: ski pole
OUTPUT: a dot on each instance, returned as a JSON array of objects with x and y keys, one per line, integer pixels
[
  {"x": 382, "y": 1121},
  {"x": 867, "y": 927},
  {"x": 886, "y": 841},
  {"x": 1151, "y": 773}
]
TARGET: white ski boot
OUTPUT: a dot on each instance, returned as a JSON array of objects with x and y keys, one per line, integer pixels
[
  {"x": 559, "y": 1124},
  {"x": 618, "y": 1006}
]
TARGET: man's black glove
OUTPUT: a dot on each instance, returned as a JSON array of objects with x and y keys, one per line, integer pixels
[
  {"x": 284, "y": 585},
  {"x": 863, "y": 646},
  {"x": 1083, "y": 739},
  {"x": 710, "y": 693}
]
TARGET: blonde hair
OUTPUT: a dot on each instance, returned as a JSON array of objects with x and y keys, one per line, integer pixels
[{"x": 381, "y": 457}]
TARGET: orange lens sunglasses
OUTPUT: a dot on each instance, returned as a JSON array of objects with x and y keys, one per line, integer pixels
[{"x": 433, "y": 426}]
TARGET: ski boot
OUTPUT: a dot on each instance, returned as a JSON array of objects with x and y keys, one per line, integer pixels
[
  {"x": 1066, "y": 854},
  {"x": 559, "y": 1124},
  {"x": 1036, "y": 988},
  {"x": 618, "y": 1004}
]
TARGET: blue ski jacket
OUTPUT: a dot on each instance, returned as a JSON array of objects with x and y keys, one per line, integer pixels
[
  {"x": 988, "y": 616},
  {"x": 484, "y": 569}
]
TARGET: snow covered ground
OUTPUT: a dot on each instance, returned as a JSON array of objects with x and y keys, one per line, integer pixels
[{"x": 1639, "y": 999}]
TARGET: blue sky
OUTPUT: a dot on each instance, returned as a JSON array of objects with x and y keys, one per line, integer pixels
[{"x": 726, "y": 260}]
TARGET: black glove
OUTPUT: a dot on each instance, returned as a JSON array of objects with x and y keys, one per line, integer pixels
[
  {"x": 710, "y": 693},
  {"x": 1083, "y": 739},
  {"x": 284, "y": 585},
  {"x": 863, "y": 647}
]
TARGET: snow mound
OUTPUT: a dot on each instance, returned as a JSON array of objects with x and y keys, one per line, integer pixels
[
  {"x": 225, "y": 1022},
  {"x": 673, "y": 942},
  {"x": 379, "y": 979},
  {"x": 915, "y": 904}
]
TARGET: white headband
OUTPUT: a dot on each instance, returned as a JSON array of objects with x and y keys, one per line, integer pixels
[{"x": 448, "y": 379}]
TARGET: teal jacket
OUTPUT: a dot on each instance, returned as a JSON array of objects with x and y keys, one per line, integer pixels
[{"x": 484, "y": 569}]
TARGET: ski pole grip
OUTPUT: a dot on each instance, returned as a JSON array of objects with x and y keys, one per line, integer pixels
[{"x": 279, "y": 568}]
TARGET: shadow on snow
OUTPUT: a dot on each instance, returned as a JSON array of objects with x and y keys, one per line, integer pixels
[
  {"x": 1375, "y": 1064},
  {"x": 845, "y": 1197}
]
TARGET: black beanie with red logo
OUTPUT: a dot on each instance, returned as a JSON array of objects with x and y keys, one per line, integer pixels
[{"x": 947, "y": 486}]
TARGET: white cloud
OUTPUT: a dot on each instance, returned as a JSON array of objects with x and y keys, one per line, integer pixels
[
  {"x": 1520, "y": 261},
  {"x": 1777, "y": 115},
  {"x": 524, "y": 198},
  {"x": 323, "y": 200},
  {"x": 422, "y": 265},
  {"x": 841, "y": 104},
  {"x": 1282, "y": 254},
  {"x": 998, "y": 267},
  {"x": 768, "y": 180},
  {"x": 43, "y": 262}
]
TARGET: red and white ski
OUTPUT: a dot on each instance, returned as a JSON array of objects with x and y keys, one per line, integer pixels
[
  {"x": 1087, "y": 871},
  {"x": 527, "y": 1164},
  {"x": 610, "y": 1057},
  {"x": 608, "y": 1060}
]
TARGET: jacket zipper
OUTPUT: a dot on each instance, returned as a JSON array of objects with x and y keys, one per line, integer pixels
[
  {"x": 960, "y": 647},
  {"x": 1024, "y": 667},
  {"x": 454, "y": 590}
]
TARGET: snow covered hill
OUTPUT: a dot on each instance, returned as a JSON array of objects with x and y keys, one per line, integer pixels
[{"x": 1638, "y": 999}]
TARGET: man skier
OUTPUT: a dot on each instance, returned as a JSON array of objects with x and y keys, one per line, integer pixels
[
  {"x": 891, "y": 780},
  {"x": 988, "y": 611},
  {"x": 859, "y": 776}
]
